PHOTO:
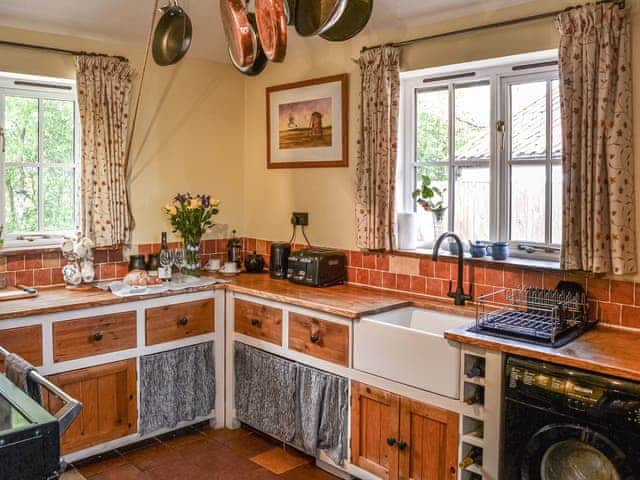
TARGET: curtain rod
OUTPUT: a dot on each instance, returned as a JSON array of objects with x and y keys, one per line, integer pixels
[
  {"x": 506, "y": 23},
  {"x": 58, "y": 50}
]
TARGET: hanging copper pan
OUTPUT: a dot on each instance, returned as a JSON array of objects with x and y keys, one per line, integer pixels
[
  {"x": 353, "y": 20},
  {"x": 313, "y": 17},
  {"x": 271, "y": 19},
  {"x": 260, "y": 59},
  {"x": 241, "y": 37}
]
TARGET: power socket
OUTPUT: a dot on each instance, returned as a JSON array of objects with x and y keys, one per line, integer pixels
[{"x": 300, "y": 218}]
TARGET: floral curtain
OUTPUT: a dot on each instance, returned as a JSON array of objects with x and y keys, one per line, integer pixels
[
  {"x": 104, "y": 91},
  {"x": 378, "y": 148},
  {"x": 596, "y": 106}
]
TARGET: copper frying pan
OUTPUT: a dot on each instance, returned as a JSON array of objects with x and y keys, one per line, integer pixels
[
  {"x": 271, "y": 18},
  {"x": 241, "y": 38}
]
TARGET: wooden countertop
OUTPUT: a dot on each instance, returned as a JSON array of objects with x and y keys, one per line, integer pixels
[
  {"x": 606, "y": 350},
  {"x": 343, "y": 300}
]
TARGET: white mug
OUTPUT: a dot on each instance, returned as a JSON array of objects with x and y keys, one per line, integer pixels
[
  {"x": 230, "y": 267},
  {"x": 213, "y": 264}
]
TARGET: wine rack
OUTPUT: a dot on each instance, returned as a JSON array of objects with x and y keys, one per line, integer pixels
[{"x": 479, "y": 423}]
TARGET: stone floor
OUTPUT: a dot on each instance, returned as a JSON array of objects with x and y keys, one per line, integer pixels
[{"x": 194, "y": 454}]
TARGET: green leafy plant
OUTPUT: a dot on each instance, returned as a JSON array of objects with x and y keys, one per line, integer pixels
[
  {"x": 192, "y": 215},
  {"x": 429, "y": 196}
]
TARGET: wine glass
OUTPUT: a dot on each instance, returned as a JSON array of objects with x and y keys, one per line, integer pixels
[
  {"x": 180, "y": 259},
  {"x": 166, "y": 260}
]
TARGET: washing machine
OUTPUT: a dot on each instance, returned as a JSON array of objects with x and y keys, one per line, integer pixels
[{"x": 561, "y": 423}]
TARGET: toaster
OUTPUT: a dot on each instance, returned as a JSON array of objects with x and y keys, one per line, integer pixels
[{"x": 317, "y": 267}]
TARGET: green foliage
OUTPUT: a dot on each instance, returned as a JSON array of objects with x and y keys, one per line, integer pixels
[
  {"x": 192, "y": 215},
  {"x": 429, "y": 196},
  {"x": 58, "y": 175}
]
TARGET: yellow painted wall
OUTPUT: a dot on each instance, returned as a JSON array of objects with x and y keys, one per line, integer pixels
[
  {"x": 189, "y": 132},
  {"x": 327, "y": 194}
]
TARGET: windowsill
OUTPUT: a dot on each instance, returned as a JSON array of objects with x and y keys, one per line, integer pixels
[
  {"x": 26, "y": 249},
  {"x": 515, "y": 262}
]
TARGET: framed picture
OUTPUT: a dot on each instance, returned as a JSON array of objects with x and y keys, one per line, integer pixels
[{"x": 308, "y": 124}]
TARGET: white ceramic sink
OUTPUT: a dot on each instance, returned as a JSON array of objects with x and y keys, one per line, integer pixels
[{"x": 408, "y": 346}]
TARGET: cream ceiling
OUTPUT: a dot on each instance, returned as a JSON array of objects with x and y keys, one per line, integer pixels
[{"x": 128, "y": 20}]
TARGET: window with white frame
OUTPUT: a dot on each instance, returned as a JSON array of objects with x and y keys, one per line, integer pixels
[
  {"x": 38, "y": 159},
  {"x": 488, "y": 134}
]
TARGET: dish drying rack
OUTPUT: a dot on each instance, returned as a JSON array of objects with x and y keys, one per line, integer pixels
[{"x": 537, "y": 315}]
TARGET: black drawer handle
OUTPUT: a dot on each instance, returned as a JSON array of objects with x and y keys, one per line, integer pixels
[
  {"x": 402, "y": 445},
  {"x": 98, "y": 336},
  {"x": 315, "y": 339},
  {"x": 391, "y": 441},
  {"x": 255, "y": 322},
  {"x": 183, "y": 321}
]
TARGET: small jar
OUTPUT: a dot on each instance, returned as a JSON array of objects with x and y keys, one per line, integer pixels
[
  {"x": 136, "y": 262},
  {"x": 153, "y": 262}
]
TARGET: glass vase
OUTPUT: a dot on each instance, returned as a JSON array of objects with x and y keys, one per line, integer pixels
[
  {"x": 439, "y": 222},
  {"x": 192, "y": 257}
]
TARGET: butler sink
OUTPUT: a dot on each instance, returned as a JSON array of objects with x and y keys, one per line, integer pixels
[{"x": 408, "y": 346}]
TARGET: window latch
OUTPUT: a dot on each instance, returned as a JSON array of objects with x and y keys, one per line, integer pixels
[{"x": 500, "y": 127}]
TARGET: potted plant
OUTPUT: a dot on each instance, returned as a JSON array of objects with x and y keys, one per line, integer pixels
[
  {"x": 191, "y": 216},
  {"x": 431, "y": 199}
]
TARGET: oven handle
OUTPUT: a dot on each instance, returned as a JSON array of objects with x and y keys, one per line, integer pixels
[{"x": 71, "y": 408}]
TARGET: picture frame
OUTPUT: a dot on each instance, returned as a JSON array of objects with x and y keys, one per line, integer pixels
[{"x": 308, "y": 123}]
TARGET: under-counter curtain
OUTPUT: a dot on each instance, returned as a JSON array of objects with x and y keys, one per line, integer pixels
[
  {"x": 104, "y": 92},
  {"x": 378, "y": 148},
  {"x": 176, "y": 386},
  {"x": 596, "y": 105}
]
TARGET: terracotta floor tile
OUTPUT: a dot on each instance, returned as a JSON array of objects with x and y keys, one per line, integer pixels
[
  {"x": 182, "y": 438},
  {"x": 123, "y": 472},
  {"x": 279, "y": 460},
  {"x": 151, "y": 457},
  {"x": 72, "y": 475},
  {"x": 307, "y": 472},
  {"x": 99, "y": 464},
  {"x": 249, "y": 444}
]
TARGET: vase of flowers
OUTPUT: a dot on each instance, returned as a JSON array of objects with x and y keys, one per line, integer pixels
[
  {"x": 431, "y": 199},
  {"x": 191, "y": 216}
]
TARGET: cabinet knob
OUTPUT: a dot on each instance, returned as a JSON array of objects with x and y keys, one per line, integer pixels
[
  {"x": 402, "y": 445},
  {"x": 183, "y": 321},
  {"x": 98, "y": 336},
  {"x": 315, "y": 338},
  {"x": 391, "y": 441},
  {"x": 255, "y": 322}
]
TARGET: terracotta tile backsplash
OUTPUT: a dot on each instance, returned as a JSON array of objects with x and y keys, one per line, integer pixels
[{"x": 613, "y": 302}]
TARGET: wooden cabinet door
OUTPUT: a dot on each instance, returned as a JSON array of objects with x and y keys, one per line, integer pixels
[
  {"x": 23, "y": 341},
  {"x": 428, "y": 442},
  {"x": 108, "y": 394},
  {"x": 374, "y": 430}
]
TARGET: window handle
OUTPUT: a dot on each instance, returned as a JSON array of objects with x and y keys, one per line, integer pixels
[{"x": 500, "y": 127}]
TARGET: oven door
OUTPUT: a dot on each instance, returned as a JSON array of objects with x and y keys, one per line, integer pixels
[{"x": 573, "y": 452}]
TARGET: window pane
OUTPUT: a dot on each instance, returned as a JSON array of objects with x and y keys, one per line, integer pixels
[
  {"x": 528, "y": 203},
  {"x": 473, "y": 203},
  {"x": 59, "y": 199},
  {"x": 432, "y": 117},
  {"x": 473, "y": 116},
  {"x": 556, "y": 121},
  {"x": 58, "y": 131},
  {"x": 21, "y": 199},
  {"x": 529, "y": 121},
  {"x": 21, "y": 123},
  {"x": 439, "y": 178},
  {"x": 556, "y": 205}
]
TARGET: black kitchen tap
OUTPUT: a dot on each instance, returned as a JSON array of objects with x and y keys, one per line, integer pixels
[{"x": 459, "y": 296}]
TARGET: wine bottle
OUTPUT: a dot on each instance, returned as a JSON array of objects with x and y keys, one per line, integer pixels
[
  {"x": 164, "y": 271},
  {"x": 477, "y": 398},
  {"x": 473, "y": 457},
  {"x": 476, "y": 370}
]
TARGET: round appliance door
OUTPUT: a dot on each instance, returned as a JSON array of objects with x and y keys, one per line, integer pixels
[{"x": 573, "y": 452}]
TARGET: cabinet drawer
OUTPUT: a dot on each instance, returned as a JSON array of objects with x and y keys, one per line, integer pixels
[
  {"x": 259, "y": 321},
  {"x": 182, "y": 320},
  {"x": 86, "y": 337},
  {"x": 23, "y": 341},
  {"x": 321, "y": 339}
]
